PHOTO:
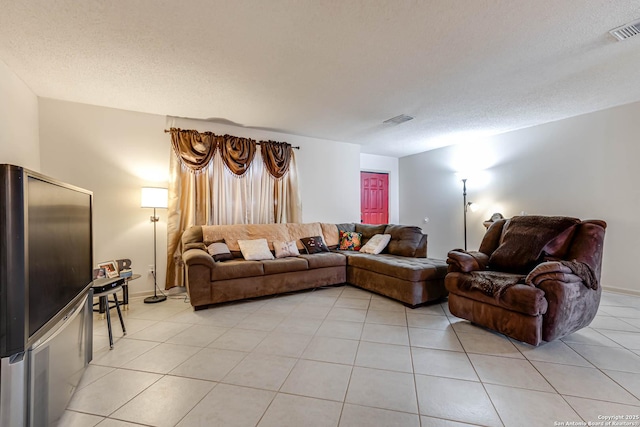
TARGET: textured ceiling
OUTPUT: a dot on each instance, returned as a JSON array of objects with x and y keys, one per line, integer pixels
[{"x": 332, "y": 69}]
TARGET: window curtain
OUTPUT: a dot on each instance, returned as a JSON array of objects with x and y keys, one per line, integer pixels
[{"x": 226, "y": 180}]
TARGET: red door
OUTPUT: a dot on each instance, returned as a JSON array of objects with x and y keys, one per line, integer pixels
[{"x": 374, "y": 198}]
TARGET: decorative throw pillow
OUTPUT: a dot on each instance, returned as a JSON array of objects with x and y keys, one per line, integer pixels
[
  {"x": 350, "y": 241},
  {"x": 314, "y": 244},
  {"x": 285, "y": 249},
  {"x": 255, "y": 250},
  {"x": 376, "y": 244},
  {"x": 219, "y": 251}
]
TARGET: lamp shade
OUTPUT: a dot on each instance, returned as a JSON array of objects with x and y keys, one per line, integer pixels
[{"x": 154, "y": 197}]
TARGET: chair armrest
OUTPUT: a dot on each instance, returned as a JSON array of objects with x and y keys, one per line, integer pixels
[
  {"x": 198, "y": 257},
  {"x": 571, "y": 305},
  {"x": 551, "y": 270},
  {"x": 466, "y": 261}
]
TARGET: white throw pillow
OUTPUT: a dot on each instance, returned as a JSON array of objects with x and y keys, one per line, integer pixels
[
  {"x": 376, "y": 244},
  {"x": 285, "y": 249},
  {"x": 255, "y": 250}
]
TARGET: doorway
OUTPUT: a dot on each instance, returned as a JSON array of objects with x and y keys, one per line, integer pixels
[{"x": 374, "y": 198}]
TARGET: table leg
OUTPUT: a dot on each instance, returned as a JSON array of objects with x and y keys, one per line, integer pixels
[
  {"x": 125, "y": 295},
  {"x": 106, "y": 299},
  {"x": 102, "y": 307}
]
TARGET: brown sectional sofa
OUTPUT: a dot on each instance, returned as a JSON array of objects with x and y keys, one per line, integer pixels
[{"x": 402, "y": 273}]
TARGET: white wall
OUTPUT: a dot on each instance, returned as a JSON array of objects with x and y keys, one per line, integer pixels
[
  {"x": 112, "y": 153},
  {"x": 19, "y": 143},
  {"x": 116, "y": 152},
  {"x": 389, "y": 165},
  {"x": 584, "y": 166},
  {"x": 329, "y": 170}
]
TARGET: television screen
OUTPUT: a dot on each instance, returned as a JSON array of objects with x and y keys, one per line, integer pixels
[{"x": 59, "y": 247}]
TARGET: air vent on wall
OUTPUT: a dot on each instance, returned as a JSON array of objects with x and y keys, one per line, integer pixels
[
  {"x": 626, "y": 31},
  {"x": 398, "y": 119}
]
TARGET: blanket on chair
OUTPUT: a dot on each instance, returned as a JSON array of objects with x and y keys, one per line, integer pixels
[{"x": 492, "y": 283}]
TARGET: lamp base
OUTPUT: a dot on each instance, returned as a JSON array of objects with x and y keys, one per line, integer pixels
[{"x": 154, "y": 299}]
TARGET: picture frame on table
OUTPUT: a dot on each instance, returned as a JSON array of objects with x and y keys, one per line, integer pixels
[
  {"x": 99, "y": 273},
  {"x": 110, "y": 268}
]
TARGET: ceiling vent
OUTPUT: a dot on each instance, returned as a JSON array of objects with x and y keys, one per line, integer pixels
[
  {"x": 398, "y": 119},
  {"x": 626, "y": 31}
]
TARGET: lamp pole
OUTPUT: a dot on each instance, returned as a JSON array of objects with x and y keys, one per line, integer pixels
[
  {"x": 464, "y": 198},
  {"x": 155, "y": 298}
]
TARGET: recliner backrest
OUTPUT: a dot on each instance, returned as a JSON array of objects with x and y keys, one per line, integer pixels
[{"x": 588, "y": 243}]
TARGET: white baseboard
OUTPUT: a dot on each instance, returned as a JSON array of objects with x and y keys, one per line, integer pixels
[
  {"x": 178, "y": 290},
  {"x": 621, "y": 291}
]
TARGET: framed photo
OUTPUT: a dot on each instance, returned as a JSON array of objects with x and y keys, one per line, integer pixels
[
  {"x": 110, "y": 268},
  {"x": 99, "y": 273}
]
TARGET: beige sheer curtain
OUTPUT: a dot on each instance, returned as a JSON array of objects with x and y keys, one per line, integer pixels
[{"x": 226, "y": 180}]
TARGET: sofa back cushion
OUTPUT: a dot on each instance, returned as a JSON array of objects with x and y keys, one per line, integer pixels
[
  {"x": 232, "y": 233},
  {"x": 405, "y": 240},
  {"x": 369, "y": 230},
  {"x": 330, "y": 232},
  {"x": 272, "y": 232},
  {"x": 299, "y": 231}
]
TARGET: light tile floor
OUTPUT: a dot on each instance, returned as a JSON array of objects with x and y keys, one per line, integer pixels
[{"x": 341, "y": 356}]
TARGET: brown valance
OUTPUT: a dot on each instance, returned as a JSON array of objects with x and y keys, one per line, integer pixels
[
  {"x": 237, "y": 153},
  {"x": 196, "y": 150},
  {"x": 276, "y": 157}
]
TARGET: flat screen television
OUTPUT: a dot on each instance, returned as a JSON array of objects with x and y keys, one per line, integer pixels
[{"x": 46, "y": 254}]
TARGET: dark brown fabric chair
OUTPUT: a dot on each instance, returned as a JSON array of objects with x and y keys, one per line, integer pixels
[{"x": 534, "y": 278}]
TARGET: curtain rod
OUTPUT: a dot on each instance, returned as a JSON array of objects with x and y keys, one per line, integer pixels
[{"x": 257, "y": 143}]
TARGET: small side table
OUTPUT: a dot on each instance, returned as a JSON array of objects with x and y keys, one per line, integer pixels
[
  {"x": 125, "y": 290},
  {"x": 102, "y": 289}
]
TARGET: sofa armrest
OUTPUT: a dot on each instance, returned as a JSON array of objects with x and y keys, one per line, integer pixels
[
  {"x": 198, "y": 257},
  {"x": 466, "y": 261}
]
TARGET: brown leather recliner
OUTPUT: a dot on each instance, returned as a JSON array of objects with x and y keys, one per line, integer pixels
[{"x": 534, "y": 278}]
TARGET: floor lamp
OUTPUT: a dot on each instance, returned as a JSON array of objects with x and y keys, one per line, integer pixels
[
  {"x": 156, "y": 198},
  {"x": 464, "y": 198},
  {"x": 467, "y": 206}
]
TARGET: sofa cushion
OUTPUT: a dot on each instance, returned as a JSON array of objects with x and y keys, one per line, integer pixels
[
  {"x": 404, "y": 240},
  {"x": 330, "y": 234},
  {"x": 325, "y": 259},
  {"x": 370, "y": 230},
  {"x": 284, "y": 265},
  {"x": 234, "y": 232},
  {"x": 350, "y": 241},
  {"x": 298, "y": 231},
  {"x": 410, "y": 269},
  {"x": 348, "y": 226},
  {"x": 520, "y": 298},
  {"x": 236, "y": 269}
]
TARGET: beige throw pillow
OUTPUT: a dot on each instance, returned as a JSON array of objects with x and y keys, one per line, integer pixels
[
  {"x": 255, "y": 250},
  {"x": 285, "y": 249},
  {"x": 376, "y": 244}
]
